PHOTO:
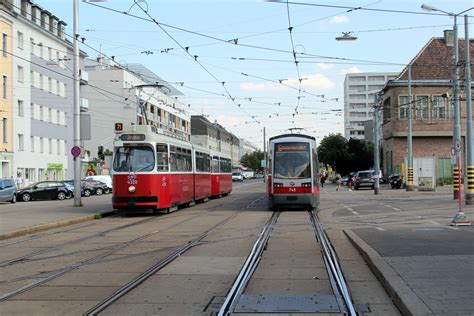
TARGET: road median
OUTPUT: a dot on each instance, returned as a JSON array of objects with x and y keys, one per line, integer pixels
[{"x": 52, "y": 225}]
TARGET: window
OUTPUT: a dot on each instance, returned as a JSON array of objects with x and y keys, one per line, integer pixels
[
  {"x": 360, "y": 132},
  {"x": 21, "y": 142},
  {"x": 32, "y": 78},
  {"x": 41, "y": 145},
  {"x": 357, "y": 96},
  {"x": 4, "y": 44},
  {"x": 422, "y": 107},
  {"x": 32, "y": 141},
  {"x": 403, "y": 106},
  {"x": 358, "y": 88},
  {"x": 21, "y": 75},
  {"x": 50, "y": 115},
  {"x": 50, "y": 85},
  {"x": 20, "y": 40},
  {"x": 57, "y": 56},
  {"x": 32, "y": 110},
  {"x": 162, "y": 157},
  {"x": 32, "y": 45},
  {"x": 50, "y": 53},
  {"x": 357, "y": 114},
  {"x": 41, "y": 113},
  {"x": 352, "y": 132},
  {"x": 41, "y": 49},
  {"x": 357, "y": 105},
  {"x": 5, "y": 130},
  {"x": 21, "y": 110},
  {"x": 5, "y": 86},
  {"x": 41, "y": 174},
  {"x": 439, "y": 109},
  {"x": 41, "y": 81},
  {"x": 58, "y": 147},
  {"x": 58, "y": 88},
  {"x": 50, "y": 145},
  {"x": 58, "y": 117}
]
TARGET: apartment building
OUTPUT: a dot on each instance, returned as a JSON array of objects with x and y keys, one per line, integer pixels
[
  {"x": 130, "y": 94},
  {"x": 359, "y": 90},
  {"x": 42, "y": 97}
]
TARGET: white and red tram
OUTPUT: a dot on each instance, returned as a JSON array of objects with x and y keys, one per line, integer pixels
[
  {"x": 293, "y": 172},
  {"x": 152, "y": 170}
]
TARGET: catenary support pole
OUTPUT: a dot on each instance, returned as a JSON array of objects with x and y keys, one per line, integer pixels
[
  {"x": 457, "y": 112},
  {"x": 409, "y": 186},
  {"x": 469, "y": 146},
  {"x": 376, "y": 144},
  {"x": 76, "y": 107},
  {"x": 264, "y": 155}
]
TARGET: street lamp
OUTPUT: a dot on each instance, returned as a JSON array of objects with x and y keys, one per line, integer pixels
[{"x": 346, "y": 36}]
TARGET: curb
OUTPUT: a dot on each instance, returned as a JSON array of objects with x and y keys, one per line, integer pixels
[
  {"x": 402, "y": 295},
  {"x": 43, "y": 227}
]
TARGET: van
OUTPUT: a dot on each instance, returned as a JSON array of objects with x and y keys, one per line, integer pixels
[
  {"x": 103, "y": 178},
  {"x": 7, "y": 190}
]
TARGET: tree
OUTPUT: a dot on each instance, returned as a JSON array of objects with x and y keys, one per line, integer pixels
[
  {"x": 334, "y": 150},
  {"x": 362, "y": 154},
  {"x": 252, "y": 160}
]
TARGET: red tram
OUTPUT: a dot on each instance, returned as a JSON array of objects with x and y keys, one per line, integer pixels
[
  {"x": 293, "y": 175},
  {"x": 154, "y": 170}
]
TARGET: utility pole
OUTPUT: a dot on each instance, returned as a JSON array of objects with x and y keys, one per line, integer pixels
[
  {"x": 264, "y": 155},
  {"x": 377, "y": 97},
  {"x": 409, "y": 186},
  {"x": 76, "y": 107},
  {"x": 457, "y": 115},
  {"x": 469, "y": 146}
]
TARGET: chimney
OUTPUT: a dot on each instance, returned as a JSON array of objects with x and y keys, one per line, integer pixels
[{"x": 449, "y": 38}]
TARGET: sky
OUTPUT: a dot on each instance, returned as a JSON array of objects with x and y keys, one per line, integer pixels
[{"x": 233, "y": 59}]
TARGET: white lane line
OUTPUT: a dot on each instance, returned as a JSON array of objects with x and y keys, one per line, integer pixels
[
  {"x": 350, "y": 209},
  {"x": 379, "y": 228},
  {"x": 433, "y": 222},
  {"x": 355, "y": 213},
  {"x": 396, "y": 208},
  {"x": 453, "y": 228}
]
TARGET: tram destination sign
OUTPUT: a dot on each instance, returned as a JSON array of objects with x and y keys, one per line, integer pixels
[
  {"x": 132, "y": 137},
  {"x": 291, "y": 147}
]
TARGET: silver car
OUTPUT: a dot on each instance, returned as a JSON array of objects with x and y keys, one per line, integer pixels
[{"x": 7, "y": 190}]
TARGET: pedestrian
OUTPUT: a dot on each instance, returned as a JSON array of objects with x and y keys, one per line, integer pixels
[
  {"x": 338, "y": 181},
  {"x": 322, "y": 179},
  {"x": 19, "y": 181},
  {"x": 350, "y": 182}
]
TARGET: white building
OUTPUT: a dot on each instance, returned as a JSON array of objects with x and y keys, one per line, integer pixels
[
  {"x": 359, "y": 90},
  {"x": 42, "y": 94},
  {"x": 246, "y": 147},
  {"x": 130, "y": 94}
]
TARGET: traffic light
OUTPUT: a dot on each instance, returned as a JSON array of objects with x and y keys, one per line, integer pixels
[{"x": 100, "y": 152}]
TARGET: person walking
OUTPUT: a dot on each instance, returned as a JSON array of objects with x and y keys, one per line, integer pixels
[
  {"x": 322, "y": 179},
  {"x": 338, "y": 182}
]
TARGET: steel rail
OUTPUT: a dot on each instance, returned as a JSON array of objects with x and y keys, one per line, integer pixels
[
  {"x": 332, "y": 263},
  {"x": 249, "y": 266},
  {"x": 152, "y": 270}
]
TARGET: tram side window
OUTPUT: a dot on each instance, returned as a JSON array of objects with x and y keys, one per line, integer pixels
[
  {"x": 215, "y": 164},
  {"x": 173, "y": 159},
  {"x": 225, "y": 165},
  {"x": 180, "y": 159},
  {"x": 162, "y": 157},
  {"x": 202, "y": 162}
]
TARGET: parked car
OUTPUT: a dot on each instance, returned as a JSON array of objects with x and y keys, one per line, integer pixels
[
  {"x": 102, "y": 178},
  {"x": 396, "y": 181},
  {"x": 45, "y": 190},
  {"x": 70, "y": 186},
  {"x": 94, "y": 187},
  {"x": 7, "y": 190},
  {"x": 364, "y": 178},
  {"x": 237, "y": 176},
  {"x": 344, "y": 180}
]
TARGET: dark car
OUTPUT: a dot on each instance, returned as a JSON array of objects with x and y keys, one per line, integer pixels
[
  {"x": 70, "y": 186},
  {"x": 7, "y": 190},
  {"x": 94, "y": 187},
  {"x": 364, "y": 179},
  {"x": 45, "y": 190}
]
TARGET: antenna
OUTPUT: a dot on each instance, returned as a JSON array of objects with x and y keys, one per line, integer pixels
[{"x": 296, "y": 130}]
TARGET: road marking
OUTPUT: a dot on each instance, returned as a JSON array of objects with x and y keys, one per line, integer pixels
[
  {"x": 350, "y": 209},
  {"x": 433, "y": 222},
  {"x": 453, "y": 228},
  {"x": 355, "y": 213},
  {"x": 379, "y": 228},
  {"x": 396, "y": 208}
]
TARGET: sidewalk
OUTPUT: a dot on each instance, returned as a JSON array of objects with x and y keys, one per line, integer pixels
[{"x": 31, "y": 217}]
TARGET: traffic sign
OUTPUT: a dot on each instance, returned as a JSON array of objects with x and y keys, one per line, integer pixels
[
  {"x": 76, "y": 151},
  {"x": 457, "y": 145}
]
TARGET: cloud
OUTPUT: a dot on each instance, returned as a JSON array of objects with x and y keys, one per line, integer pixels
[
  {"x": 351, "y": 70},
  {"x": 315, "y": 81},
  {"x": 324, "y": 65},
  {"x": 338, "y": 19}
]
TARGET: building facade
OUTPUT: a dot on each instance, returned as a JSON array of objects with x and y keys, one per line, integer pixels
[
  {"x": 431, "y": 107},
  {"x": 359, "y": 90},
  {"x": 42, "y": 102},
  {"x": 130, "y": 94}
]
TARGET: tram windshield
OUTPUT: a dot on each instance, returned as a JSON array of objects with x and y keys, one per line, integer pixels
[
  {"x": 292, "y": 161},
  {"x": 134, "y": 159}
]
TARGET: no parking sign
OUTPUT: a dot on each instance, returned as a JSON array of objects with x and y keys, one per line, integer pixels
[{"x": 76, "y": 151}]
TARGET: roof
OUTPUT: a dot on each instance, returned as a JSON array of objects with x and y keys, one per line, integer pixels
[
  {"x": 149, "y": 76},
  {"x": 435, "y": 61}
]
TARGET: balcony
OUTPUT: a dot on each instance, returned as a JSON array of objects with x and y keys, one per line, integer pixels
[
  {"x": 84, "y": 77},
  {"x": 84, "y": 105}
]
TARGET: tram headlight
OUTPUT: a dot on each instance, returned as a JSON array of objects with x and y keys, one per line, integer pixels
[
  {"x": 132, "y": 189},
  {"x": 306, "y": 185},
  {"x": 278, "y": 185}
]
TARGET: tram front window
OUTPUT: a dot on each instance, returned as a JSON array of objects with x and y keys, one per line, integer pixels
[
  {"x": 134, "y": 159},
  {"x": 292, "y": 161}
]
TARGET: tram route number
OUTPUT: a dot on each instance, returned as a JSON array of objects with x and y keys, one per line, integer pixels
[{"x": 132, "y": 179}]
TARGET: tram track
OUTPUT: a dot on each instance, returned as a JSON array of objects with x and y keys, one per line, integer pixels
[
  {"x": 241, "y": 282},
  {"x": 50, "y": 275}
]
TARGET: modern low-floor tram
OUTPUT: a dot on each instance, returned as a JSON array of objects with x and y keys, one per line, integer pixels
[{"x": 293, "y": 172}]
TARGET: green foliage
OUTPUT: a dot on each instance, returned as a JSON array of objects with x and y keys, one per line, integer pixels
[
  {"x": 345, "y": 156},
  {"x": 252, "y": 160}
]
